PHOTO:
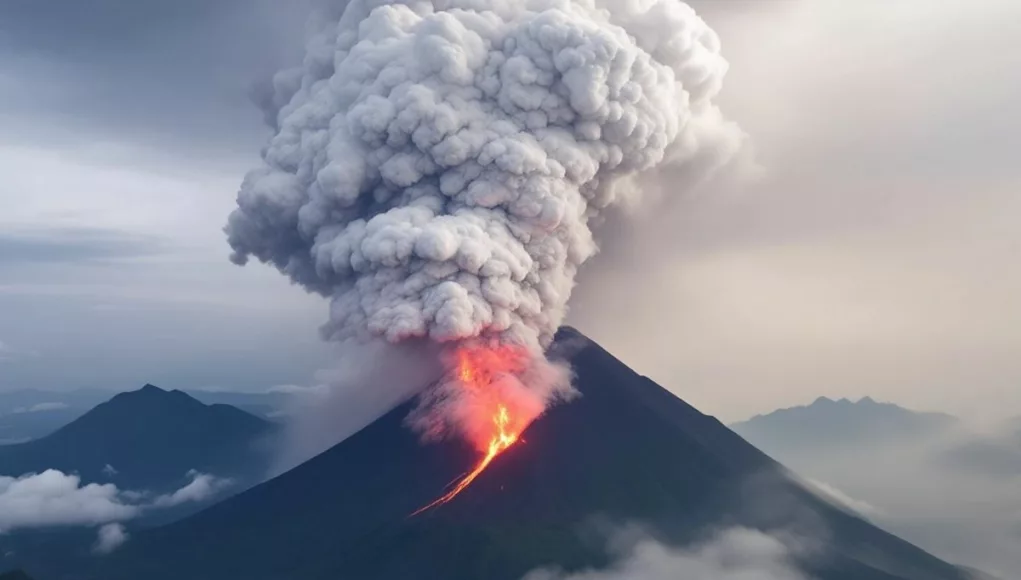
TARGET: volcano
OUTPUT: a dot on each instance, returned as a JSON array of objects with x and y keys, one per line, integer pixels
[{"x": 625, "y": 451}]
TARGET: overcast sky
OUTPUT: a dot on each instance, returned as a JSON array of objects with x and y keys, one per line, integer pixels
[{"x": 877, "y": 254}]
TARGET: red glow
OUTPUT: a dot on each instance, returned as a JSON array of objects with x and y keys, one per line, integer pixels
[{"x": 478, "y": 372}]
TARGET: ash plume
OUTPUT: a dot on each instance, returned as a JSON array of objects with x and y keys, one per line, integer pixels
[{"x": 436, "y": 166}]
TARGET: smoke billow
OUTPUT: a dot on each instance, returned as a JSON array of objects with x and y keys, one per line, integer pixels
[{"x": 436, "y": 166}]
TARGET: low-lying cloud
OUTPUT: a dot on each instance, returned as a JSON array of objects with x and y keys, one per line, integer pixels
[
  {"x": 54, "y": 498},
  {"x": 202, "y": 487},
  {"x": 109, "y": 538},
  {"x": 961, "y": 514},
  {"x": 841, "y": 499},
  {"x": 734, "y": 554}
]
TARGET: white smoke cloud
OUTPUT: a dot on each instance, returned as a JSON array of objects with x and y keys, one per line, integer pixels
[
  {"x": 202, "y": 487},
  {"x": 339, "y": 405},
  {"x": 109, "y": 538},
  {"x": 735, "y": 554},
  {"x": 53, "y": 498},
  {"x": 437, "y": 165}
]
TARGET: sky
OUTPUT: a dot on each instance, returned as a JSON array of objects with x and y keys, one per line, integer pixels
[{"x": 874, "y": 253}]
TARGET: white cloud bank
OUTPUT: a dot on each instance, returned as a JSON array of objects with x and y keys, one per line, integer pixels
[
  {"x": 53, "y": 498},
  {"x": 109, "y": 538},
  {"x": 735, "y": 554}
]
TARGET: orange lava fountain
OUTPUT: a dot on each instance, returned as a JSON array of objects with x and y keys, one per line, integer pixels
[{"x": 477, "y": 371}]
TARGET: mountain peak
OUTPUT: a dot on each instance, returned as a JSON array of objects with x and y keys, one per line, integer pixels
[{"x": 150, "y": 396}]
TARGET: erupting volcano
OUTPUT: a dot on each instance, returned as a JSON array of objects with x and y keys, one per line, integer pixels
[
  {"x": 436, "y": 168},
  {"x": 625, "y": 450},
  {"x": 481, "y": 373}
]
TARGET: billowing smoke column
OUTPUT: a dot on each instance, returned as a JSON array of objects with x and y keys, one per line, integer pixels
[{"x": 436, "y": 166}]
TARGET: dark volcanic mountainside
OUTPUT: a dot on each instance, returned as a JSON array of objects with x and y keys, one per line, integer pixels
[
  {"x": 151, "y": 437},
  {"x": 626, "y": 451}
]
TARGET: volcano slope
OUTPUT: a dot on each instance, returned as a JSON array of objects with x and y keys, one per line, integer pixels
[{"x": 625, "y": 451}]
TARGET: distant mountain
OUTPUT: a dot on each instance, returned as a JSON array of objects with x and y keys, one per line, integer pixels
[
  {"x": 147, "y": 440},
  {"x": 828, "y": 423},
  {"x": 27, "y": 414},
  {"x": 626, "y": 451}
]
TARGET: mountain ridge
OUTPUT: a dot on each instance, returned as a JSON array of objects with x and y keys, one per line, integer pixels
[
  {"x": 826, "y": 422},
  {"x": 146, "y": 439}
]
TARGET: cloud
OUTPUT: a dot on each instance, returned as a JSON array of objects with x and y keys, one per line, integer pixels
[
  {"x": 961, "y": 515},
  {"x": 109, "y": 470},
  {"x": 734, "y": 554},
  {"x": 300, "y": 390},
  {"x": 42, "y": 408},
  {"x": 319, "y": 417},
  {"x": 69, "y": 245},
  {"x": 202, "y": 487},
  {"x": 109, "y": 538},
  {"x": 841, "y": 499},
  {"x": 52, "y": 498},
  {"x": 100, "y": 82}
]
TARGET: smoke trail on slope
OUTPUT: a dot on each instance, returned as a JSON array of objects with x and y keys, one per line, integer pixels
[{"x": 436, "y": 165}]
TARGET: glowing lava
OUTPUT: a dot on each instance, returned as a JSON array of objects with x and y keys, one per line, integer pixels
[{"x": 479, "y": 373}]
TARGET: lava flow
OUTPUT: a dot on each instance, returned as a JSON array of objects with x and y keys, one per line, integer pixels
[{"x": 479, "y": 373}]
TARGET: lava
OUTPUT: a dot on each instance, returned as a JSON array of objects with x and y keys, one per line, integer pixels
[
  {"x": 500, "y": 442},
  {"x": 479, "y": 373}
]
